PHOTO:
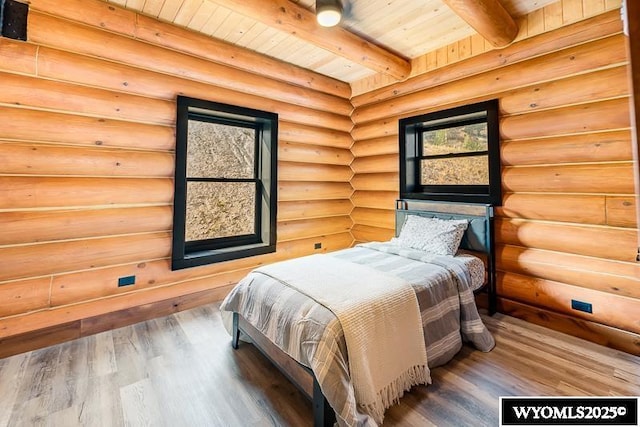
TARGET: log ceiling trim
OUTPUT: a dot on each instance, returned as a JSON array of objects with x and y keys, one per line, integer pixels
[
  {"x": 300, "y": 22},
  {"x": 376, "y": 37},
  {"x": 489, "y": 18}
]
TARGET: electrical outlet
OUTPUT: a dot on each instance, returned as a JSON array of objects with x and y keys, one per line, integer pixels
[
  {"x": 317, "y": 246},
  {"x": 126, "y": 281},
  {"x": 581, "y": 306}
]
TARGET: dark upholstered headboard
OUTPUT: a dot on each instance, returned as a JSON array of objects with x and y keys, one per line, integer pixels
[{"x": 478, "y": 236}]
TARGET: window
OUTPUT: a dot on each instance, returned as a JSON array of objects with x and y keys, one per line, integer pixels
[
  {"x": 452, "y": 155},
  {"x": 225, "y": 183}
]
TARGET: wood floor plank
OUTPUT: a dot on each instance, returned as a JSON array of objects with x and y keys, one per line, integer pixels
[
  {"x": 101, "y": 354},
  {"x": 101, "y": 406},
  {"x": 630, "y": 377},
  {"x": 180, "y": 393},
  {"x": 12, "y": 371},
  {"x": 64, "y": 417},
  {"x": 181, "y": 370},
  {"x": 196, "y": 332},
  {"x": 140, "y": 405},
  {"x": 132, "y": 357},
  {"x": 563, "y": 343},
  {"x": 63, "y": 384}
]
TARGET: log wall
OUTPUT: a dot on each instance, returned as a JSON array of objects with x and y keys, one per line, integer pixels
[
  {"x": 567, "y": 225},
  {"x": 87, "y": 155},
  {"x": 87, "y": 161}
]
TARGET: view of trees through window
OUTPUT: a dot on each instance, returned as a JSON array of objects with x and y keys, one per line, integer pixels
[
  {"x": 220, "y": 199},
  {"x": 225, "y": 196},
  {"x": 455, "y": 156}
]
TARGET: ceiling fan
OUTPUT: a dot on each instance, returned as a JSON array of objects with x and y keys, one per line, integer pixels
[{"x": 329, "y": 13}]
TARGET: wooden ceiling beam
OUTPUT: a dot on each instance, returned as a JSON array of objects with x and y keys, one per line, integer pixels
[
  {"x": 488, "y": 17},
  {"x": 288, "y": 17}
]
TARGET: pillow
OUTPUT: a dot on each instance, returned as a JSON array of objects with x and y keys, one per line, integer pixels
[{"x": 434, "y": 235}]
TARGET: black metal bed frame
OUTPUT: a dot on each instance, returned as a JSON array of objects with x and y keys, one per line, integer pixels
[{"x": 323, "y": 414}]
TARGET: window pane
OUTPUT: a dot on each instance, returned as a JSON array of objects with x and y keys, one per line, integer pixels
[
  {"x": 220, "y": 209},
  {"x": 459, "y": 139},
  {"x": 219, "y": 151},
  {"x": 473, "y": 170}
]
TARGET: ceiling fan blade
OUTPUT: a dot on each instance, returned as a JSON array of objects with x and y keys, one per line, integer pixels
[{"x": 348, "y": 14}]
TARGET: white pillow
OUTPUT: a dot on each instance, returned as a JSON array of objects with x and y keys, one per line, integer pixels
[{"x": 434, "y": 235}]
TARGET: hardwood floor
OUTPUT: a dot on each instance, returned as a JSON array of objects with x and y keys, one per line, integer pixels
[{"x": 180, "y": 370}]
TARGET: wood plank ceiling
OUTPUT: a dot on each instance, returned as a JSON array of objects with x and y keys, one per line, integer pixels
[{"x": 408, "y": 28}]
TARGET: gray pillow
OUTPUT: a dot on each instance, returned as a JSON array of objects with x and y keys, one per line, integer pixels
[{"x": 434, "y": 235}]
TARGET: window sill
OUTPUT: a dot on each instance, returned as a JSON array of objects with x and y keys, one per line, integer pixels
[{"x": 195, "y": 259}]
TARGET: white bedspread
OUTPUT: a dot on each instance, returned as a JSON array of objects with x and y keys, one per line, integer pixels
[{"x": 381, "y": 320}]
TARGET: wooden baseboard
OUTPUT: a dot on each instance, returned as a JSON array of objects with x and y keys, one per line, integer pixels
[
  {"x": 41, "y": 338},
  {"x": 608, "y": 336}
]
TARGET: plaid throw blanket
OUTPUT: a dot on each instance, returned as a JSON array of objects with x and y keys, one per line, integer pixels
[{"x": 380, "y": 318}]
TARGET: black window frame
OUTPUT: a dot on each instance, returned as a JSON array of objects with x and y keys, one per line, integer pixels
[
  {"x": 411, "y": 130},
  {"x": 187, "y": 254}
]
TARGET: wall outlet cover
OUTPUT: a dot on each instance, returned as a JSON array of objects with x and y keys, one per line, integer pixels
[
  {"x": 127, "y": 281},
  {"x": 581, "y": 306}
]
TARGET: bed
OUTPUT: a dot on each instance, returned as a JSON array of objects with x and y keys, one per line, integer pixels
[{"x": 306, "y": 340}]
